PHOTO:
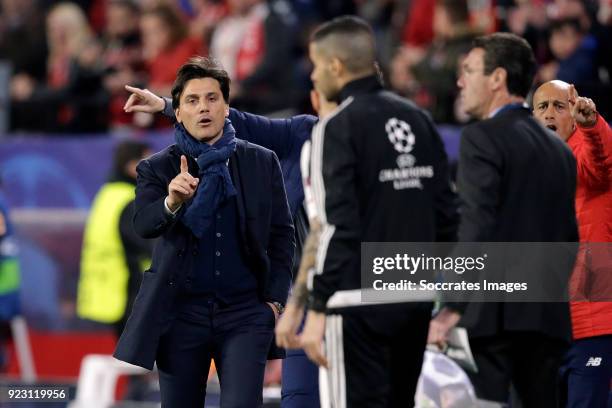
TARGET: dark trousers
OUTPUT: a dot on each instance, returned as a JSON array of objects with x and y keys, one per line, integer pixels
[
  {"x": 529, "y": 360},
  {"x": 237, "y": 337},
  {"x": 375, "y": 355},
  {"x": 300, "y": 380},
  {"x": 587, "y": 373}
]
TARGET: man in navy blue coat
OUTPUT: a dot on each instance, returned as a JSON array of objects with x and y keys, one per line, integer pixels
[
  {"x": 285, "y": 137},
  {"x": 221, "y": 270}
]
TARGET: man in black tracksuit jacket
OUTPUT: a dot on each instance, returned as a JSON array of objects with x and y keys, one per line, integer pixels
[{"x": 378, "y": 173}]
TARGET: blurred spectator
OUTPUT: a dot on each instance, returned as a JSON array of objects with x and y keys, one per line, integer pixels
[
  {"x": 575, "y": 53},
  {"x": 604, "y": 18},
  {"x": 229, "y": 35},
  {"x": 418, "y": 29},
  {"x": 254, "y": 44},
  {"x": 604, "y": 13},
  {"x": 567, "y": 9},
  {"x": 122, "y": 56},
  {"x": 529, "y": 20},
  {"x": 205, "y": 15},
  {"x": 381, "y": 16},
  {"x": 114, "y": 256},
  {"x": 417, "y": 35},
  {"x": 431, "y": 81},
  {"x": 72, "y": 98},
  {"x": 166, "y": 46},
  {"x": 9, "y": 277},
  {"x": 22, "y": 37}
]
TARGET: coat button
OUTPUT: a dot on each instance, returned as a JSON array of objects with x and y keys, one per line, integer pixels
[
  {"x": 218, "y": 253},
  {"x": 217, "y": 273},
  {"x": 218, "y": 235}
]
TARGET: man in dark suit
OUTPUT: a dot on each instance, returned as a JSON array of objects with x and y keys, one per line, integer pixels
[
  {"x": 516, "y": 181},
  {"x": 221, "y": 270}
]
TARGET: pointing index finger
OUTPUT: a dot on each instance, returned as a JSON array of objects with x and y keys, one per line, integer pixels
[
  {"x": 134, "y": 90},
  {"x": 184, "y": 166}
]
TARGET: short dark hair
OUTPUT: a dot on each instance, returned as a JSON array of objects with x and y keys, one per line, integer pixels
[
  {"x": 200, "y": 67},
  {"x": 126, "y": 151},
  {"x": 352, "y": 40},
  {"x": 348, "y": 25},
  {"x": 512, "y": 53},
  {"x": 572, "y": 22}
]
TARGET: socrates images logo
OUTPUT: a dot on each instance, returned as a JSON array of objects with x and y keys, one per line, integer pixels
[{"x": 400, "y": 135}]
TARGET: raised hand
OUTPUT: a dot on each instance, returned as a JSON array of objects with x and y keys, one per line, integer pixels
[
  {"x": 583, "y": 110},
  {"x": 143, "y": 100},
  {"x": 182, "y": 187}
]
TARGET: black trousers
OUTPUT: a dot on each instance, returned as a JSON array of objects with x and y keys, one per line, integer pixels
[
  {"x": 237, "y": 337},
  {"x": 375, "y": 355},
  {"x": 529, "y": 360}
]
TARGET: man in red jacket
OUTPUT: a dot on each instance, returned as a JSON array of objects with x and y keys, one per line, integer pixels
[{"x": 588, "y": 368}]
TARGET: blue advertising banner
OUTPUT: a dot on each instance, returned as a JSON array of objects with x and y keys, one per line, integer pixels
[{"x": 56, "y": 172}]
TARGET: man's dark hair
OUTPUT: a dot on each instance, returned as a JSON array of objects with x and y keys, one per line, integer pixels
[
  {"x": 171, "y": 19},
  {"x": 348, "y": 25},
  {"x": 125, "y": 152},
  {"x": 512, "y": 53},
  {"x": 349, "y": 38},
  {"x": 200, "y": 67},
  {"x": 572, "y": 22}
]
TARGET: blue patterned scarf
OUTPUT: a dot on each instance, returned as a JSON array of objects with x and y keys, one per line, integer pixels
[{"x": 215, "y": 182}]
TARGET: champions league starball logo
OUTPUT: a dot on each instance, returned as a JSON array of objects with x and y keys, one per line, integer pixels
[
  {"x": 400, "y": 135},
  {"x": 406, "y": 175},
  {"x": 402, "y": 138}
]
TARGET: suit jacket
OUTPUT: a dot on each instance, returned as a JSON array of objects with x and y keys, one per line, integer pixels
[
  {"x": 516, "y": 180},
  {"x": 266, "y": 232}
]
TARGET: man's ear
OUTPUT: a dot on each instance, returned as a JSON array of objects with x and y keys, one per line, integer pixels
[
  {"x": 177, "y": 113},
  {"x": 337, "y": 67},
  {"x": 227, "y": 110},
  {"x": 499, "y": 78}
]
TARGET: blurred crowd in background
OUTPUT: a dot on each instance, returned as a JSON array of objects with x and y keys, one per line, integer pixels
[{"x": 68, "y": 62}]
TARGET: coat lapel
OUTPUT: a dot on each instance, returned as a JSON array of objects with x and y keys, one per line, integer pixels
[{"x": 238, "y": 172}]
